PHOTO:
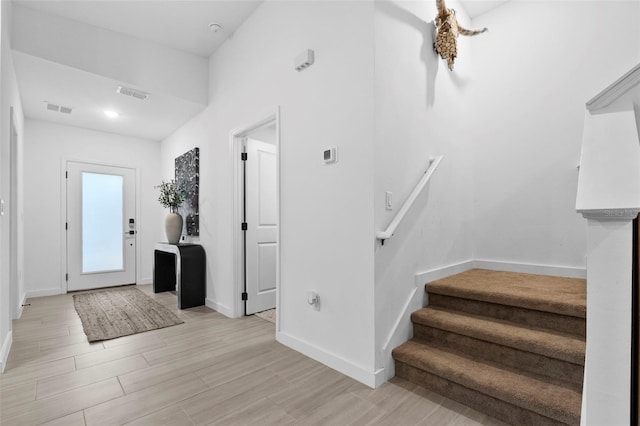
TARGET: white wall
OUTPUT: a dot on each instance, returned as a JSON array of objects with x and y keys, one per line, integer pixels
[
  {"x": 534, "y": 71},
  {"x": 326, "y": 211},
  {"x": 508, "y": 120},
  {"x": 47, "y": 147},
  {"x": 422, "y": 109},
  {"x": 9, "y": 98}
]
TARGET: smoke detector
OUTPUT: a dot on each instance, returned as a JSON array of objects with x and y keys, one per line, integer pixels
[
  {"x": 58, "y": 108},
  {"x": 127, "y": 91}
]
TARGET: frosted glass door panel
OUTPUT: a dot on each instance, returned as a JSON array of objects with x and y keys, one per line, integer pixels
[
  {"x": 102, "y": 219},
  {"x": 101, "y": 226}
]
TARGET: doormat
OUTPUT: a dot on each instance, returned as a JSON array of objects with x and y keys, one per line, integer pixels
[
  {"x": 107, "y": 314},
  {"x": 269, "y": 315}
]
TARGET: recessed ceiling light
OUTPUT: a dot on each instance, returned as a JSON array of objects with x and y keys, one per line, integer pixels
[
  {"x": 111, "y": 114},
  {"x": 215, "y": 27}
]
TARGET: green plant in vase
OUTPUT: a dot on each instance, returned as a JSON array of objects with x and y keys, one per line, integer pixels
[{"x": 172, "y": 195}]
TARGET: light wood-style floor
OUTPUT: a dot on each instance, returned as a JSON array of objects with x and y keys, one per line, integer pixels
[{"x": 209, "y": 370}]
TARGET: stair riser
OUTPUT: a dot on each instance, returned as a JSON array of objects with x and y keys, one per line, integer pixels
[
  {"x": 564, "y": 347},
  {"x": 563, "y": 323},
  {"x": 499, "y": 409},
  {"x": 551, "y": 368},
  {"x": 564, "y": 296}
]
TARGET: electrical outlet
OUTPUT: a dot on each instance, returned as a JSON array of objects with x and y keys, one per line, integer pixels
[{"x": 313, "y": 300}]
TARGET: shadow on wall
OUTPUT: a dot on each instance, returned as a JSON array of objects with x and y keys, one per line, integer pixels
[{"x": 428, "y": 54}]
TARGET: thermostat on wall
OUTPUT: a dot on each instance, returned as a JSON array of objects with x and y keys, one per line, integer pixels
[{"x": 330, "y": 155}]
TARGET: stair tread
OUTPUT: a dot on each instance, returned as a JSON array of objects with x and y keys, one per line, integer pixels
[
  {"x": 547, "y": 399},
  {"x": 550, "y": 343},
  {"x": 565, "y": 296}
]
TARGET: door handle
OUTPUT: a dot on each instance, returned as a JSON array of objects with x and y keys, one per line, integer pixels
[{"x": 130, "y": 233}]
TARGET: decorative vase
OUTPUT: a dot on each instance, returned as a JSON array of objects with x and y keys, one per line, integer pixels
[{"x": 173, "y": 227}]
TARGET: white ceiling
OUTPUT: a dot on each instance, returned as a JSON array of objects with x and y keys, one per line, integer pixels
[
  {"x": 178, "y": 24},
  {"x": 181, "y": 24},
  {"x": 89, "y": 95},
  {"x": 475, "y": 8}
]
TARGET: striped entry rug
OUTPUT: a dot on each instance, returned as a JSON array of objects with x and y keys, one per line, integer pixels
[{"x": 107, "y": 314}]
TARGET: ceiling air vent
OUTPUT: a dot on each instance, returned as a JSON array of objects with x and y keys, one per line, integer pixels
[
  {"x": 127, "y": 91},
  {"x": 58, "y": 108}
]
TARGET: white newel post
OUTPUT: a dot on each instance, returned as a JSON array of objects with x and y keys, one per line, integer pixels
[
  {"x": 606, "y": 395},
  {"x": 609, "y": 198}
]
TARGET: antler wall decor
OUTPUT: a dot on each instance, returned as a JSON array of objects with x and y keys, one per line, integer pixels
[{"x": 448, "y": 28}]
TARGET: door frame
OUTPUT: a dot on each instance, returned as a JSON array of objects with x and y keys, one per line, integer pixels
[
  {"x": 269, "y": 116},
  {"x": 15, "y": 274},
  {"x": 635, "y": 323},
  {"x": 64, "y": 265}
]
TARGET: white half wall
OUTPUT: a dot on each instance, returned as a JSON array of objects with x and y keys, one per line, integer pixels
[
  {"x": 326, "y": 212},
  {"x": 47, "y": 148},
  {"x": 610, "y": 164}
]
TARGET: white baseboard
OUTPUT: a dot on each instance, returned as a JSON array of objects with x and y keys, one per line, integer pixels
[
  {"x": 421, "y": 279},
  {"x": 445, "y": 271},
  {"x": 524, "y": 268},
  {"x": 218, "y": 307},
  {"x": 583, "y": 409},
  {"x": 529, "y": 268},
  {"x": 402, "y": 328},
  {"x": 372, "y": 379},
  {"x": 4, "y": 351},
  {"x": 403, "y": 318},
  {"x": 43, "y": 293},
  {"x": 20, "y": 306},
  {"x": 144, "y": 281}
]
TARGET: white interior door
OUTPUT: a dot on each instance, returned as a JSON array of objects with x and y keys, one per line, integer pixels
[
  {"x": 101, "y": 226},
  {"x": 262, "y": 226}
]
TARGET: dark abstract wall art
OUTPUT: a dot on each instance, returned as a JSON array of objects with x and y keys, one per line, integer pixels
[{"x": 188, "y": 174}]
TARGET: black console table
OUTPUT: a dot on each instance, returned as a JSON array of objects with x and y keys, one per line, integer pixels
[{"x": 180, "y": 268}]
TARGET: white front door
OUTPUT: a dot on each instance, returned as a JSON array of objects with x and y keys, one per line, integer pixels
[
  {"x": 101, "y": 238},
  {"x": 262, "y": 226}
]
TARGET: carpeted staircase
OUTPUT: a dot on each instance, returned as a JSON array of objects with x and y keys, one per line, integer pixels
[{"x": 509, "y": 345}]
